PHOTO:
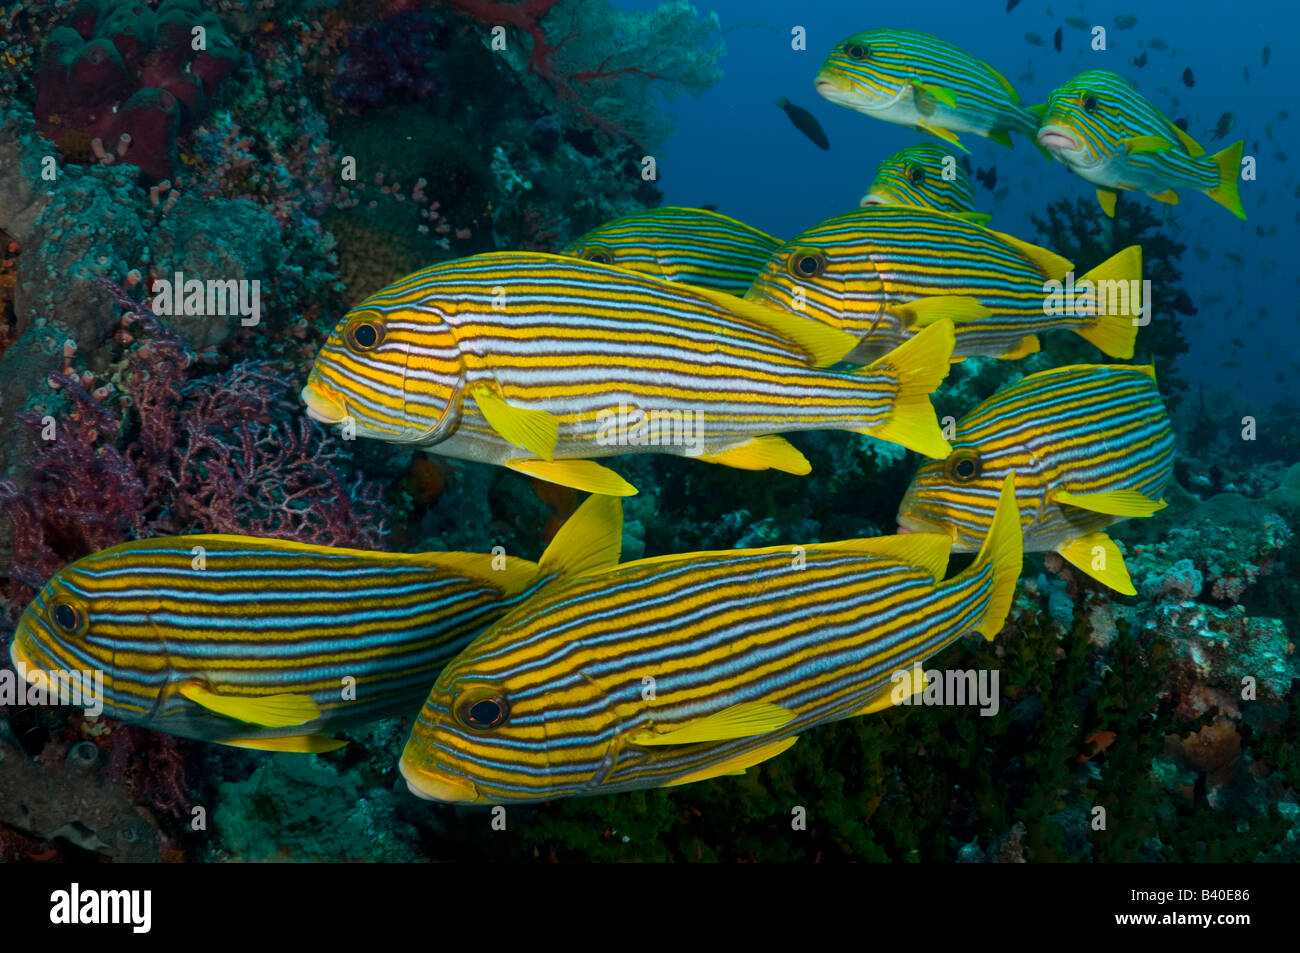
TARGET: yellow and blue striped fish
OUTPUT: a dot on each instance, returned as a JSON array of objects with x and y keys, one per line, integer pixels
[
  {"x": 1103, "y": 129},
  {"x": 690, "y": 245},
  {"x": 268, "y": 644},
  {"x": 884, "y": 272},
  {"x": 915, "y": 79},
  {"x": 680, "y": 668},
  {"x": 927, "y": 175},
  {"x": 537, "y": 362},
  {"x": 1090, "y": 445}
]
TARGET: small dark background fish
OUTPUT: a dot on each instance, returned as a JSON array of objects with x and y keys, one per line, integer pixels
[{"x": 803, "y": 121}]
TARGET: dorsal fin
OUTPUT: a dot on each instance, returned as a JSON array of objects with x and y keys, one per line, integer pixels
[
  {"x": 1049, "y": 263},
  {"x": 822, "y": 343}
]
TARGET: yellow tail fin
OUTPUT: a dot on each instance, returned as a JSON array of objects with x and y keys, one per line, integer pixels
[
  {"x": 591, "y": 539},
  {"x": 1003, "y": 549},
  {"x": 1115, "y": 333},
  {"x": 1225, "y": 193},
  {"x": 920, "y": 365}
]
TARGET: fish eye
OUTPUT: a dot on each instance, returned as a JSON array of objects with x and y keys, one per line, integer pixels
[
  {"x": 67, "y": 617},
  {"x": 857, "y": 51},
  {"x": 1090, "y": 104},
  {"x": 599, "y": 255},
  {"x": 483, "y": 713},
  {"x": 807, "y": 264},
  {"x": 964, "y": 466},
  {"x": 916, "y": 176},
  {"x": 364, "y": 335}
]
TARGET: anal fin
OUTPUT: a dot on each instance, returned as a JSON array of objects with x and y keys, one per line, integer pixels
[
  {"x": 583, "y": 475},
  {"x": 762, "y": 453},
  {"x": 1097, "y": 555}
]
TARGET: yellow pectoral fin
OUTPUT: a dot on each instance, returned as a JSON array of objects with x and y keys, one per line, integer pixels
[
  {"x": 580, "y": 474},
  {"x": 269, "y": 711},
  {"x": 1140, "y": 144},
  {"x": 301, "y": 744},
  {"x": 762, "y": 453},
  {"x": 944, "y": 95},
  {"x": 738, "y": 721},
  {"x": 739, "y": 764},
  {"x": 535, "y": 430},
  {"x": 912, "y": 683},
  {"x": 975, "y": 218},
  {"x": 1107, "y": 200},
  {"x": 1097, "y": 555},
  {"x": 924, "y": 312},
  {"x": 1112, "y": 502},
  {"x": 942, "y": 134},
  {"x": 1026, "y": 347}
]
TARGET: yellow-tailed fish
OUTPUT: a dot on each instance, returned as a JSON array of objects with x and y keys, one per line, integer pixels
[
  {"x": 915, "y": 79},
  {"x": 927, "y": 175},
  {"x": 537, "y": 362},
  {"x": 691, "y": 245},
  {"x": 884, "y": 272},
  {"x": 681, "y": 668},
  {"x": 268, "y": 644},
  {"x": 1090, "y": 445},
  {"x": 1101, "y": 128}
]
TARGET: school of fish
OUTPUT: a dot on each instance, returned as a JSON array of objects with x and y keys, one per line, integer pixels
[{"x": 683, "y": 332}]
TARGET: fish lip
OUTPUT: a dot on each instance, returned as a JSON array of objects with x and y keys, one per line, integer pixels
[
  {"x": 874, "y": 198},
  {"x": 432, "y": 786},
  {"x": 21, "y": 663},
  {"x": 322, "y": 403},
  {"x": 1058, "y": 139}
]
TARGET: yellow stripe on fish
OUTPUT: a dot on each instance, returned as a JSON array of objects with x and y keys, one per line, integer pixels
[
  {"x": 264, "y": 643},
  {"x": 538, "y": 362},
  {"x": 1090, "y": 445},
  {"x": 691, "y": 245},
  {"x": 884, "y": 272},
  {"x": 680, "y": 668},
  {"x": 1100, "y": 127},
  {"x": 915, "y": 79}
]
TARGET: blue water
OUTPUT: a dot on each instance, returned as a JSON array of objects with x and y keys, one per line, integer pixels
[{"x": 735, "y": 148}]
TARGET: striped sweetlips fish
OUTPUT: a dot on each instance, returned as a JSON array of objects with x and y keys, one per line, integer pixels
[
  {"x": 885, "y": 272},
  {"x": 1090, "y": 445},
  {"x": 537, "y": 362},
  {"x": 691, "y": 245},
  {"x": 269, "y": 644},
  {"x": 1103, "y": 129},
  {"x": 915, "y": 79},
  {"x": 927, "y": 175},
  {"x": 680, "y": 668}
]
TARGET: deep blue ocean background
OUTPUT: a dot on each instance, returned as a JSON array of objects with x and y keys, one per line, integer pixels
[{"x": 734, "y": 148}]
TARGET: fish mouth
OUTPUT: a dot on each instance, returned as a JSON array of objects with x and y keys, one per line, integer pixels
[
  {"x": 23, "y": 665},
  {"x": 1058, "y": 139},
  {"x": 434, "y": 786},
  {"x": 876, "y": 198},
  {"x": 322, "y": 403}
]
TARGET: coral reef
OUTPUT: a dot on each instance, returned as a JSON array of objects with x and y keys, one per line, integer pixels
[{"x": 120, "y": 80}]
